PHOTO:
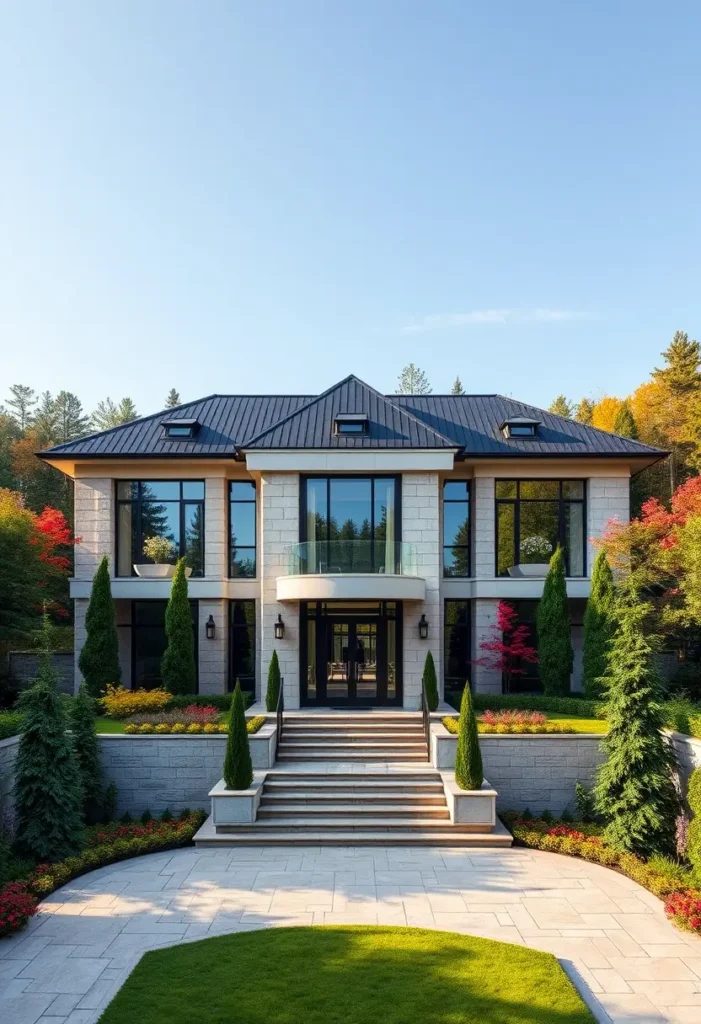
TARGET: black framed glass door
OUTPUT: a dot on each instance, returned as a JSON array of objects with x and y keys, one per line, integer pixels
[{"x": 351, "y": 655}]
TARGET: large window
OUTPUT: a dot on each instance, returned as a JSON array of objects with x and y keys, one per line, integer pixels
[
  {"x": 351, "y": 524},
  {"x": 242, "y": 635},
  {"x": 456, "y": 528},
  {"x": 173, "y": 509},
  {"x": 148, "y": 641},
  {"x": 533, "y": 517},
  {"x": 457, "y": 667},
  {"x": 242, "y": 528}
]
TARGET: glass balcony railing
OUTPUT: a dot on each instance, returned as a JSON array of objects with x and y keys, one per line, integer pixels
[{"x": 352, "y": 556}]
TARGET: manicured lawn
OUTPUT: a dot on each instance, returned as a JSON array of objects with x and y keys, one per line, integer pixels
[
  {"x": 348, "y": 975},
  {"x": 117, "y": 724}
]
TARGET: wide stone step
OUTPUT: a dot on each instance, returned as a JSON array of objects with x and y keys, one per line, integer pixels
[
  {"x": 355, "y": 756},
  {"x": 352, "y": 811},
  {"x": 304, "y": 821},
  {"x": 309, "y": 795},
  {"x": 311, "y": 734},
  {"x": 397, "y": 777},
  {"x": 360, "y": 745},
  {"x": 358, "y": 718}
]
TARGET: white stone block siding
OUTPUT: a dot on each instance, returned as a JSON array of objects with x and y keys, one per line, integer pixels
[
  {"x": 216, "y": 530},
  {"x": 213, "y": 655},
  {"x": 608, "y": 497},
  {"x": 279, "y": 519},
  {"x": 80, "y": 607},
  {"x": 484, "y": 513},
  {"x": 421, "y": 527},
  {"x": 688, "y": 751},
  {"x": 94, "y": 524}
]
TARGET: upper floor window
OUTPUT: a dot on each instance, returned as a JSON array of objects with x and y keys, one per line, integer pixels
[
  {"x": 456, "y": 528},
  {"x": 351, "y": 524},
  {"x": 533, "y": 517},
  {"x": 173, "y": 509},
  {"x": 242, "y": 528}
]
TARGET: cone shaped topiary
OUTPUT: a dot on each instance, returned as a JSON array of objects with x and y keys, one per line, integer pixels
[
  {"x": 238, "y": 770},
  {"x": 430, "y": 682},
  {"x": 99, "y": 657},
  {"x": 555, "y": 653},
  {"x": 87, "y": 753},
  {"x": 599, "y": 627},
  {"x": 469, "y": 773},
  {"x": 693, "y": 843},
  {"x": 48, "y": 792},
  {"x": 178, "y": 669},
  {"x": 272, "y": 693},
  {"x": 634, "y": 789}
]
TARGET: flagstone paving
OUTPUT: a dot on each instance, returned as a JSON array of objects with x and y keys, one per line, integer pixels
[{"x": 610, "y": 935}]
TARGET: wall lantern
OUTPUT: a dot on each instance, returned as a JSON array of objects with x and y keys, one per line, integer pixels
[
  {"x": 210, "y": 628},
  {"x": 423, "y": 628},
  {"x": 279, "y": 628}
]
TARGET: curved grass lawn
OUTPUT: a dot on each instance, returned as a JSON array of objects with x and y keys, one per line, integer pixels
[{"x": 347, "y": 975}]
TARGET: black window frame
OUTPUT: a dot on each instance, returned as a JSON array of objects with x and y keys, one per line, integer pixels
[
  {"x": 561, "y": 529},
  {"x": 137, "y": 504},
  {"x": 463, "y": 547},
  {"x": 372, "y": 477},
  {"x": 133, "y": 627},
  {"x": 234, "y": 629},
  {"x": 242, "y": 547}
]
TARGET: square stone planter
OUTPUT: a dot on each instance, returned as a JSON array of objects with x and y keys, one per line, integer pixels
[
  {"x": 236, "y": 806},
  {"x": 444, "y": 744},
  {"x": 476, "y": 807},
  {"x": 262, "y": 746}
]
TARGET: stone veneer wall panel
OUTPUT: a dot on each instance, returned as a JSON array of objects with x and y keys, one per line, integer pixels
[
  {"x": 279, "y": 520},
  {"x": 421, "y": 527},
  {"x": 8, "y": 756},
  {"x": 607, "y": 497},
  {"x": 94, "y": 524}
]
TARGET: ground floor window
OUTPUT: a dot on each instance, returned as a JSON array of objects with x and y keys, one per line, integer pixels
[
  {"x": 148, "y": 641},
  {"x": 527, "y": 612},
  {"x": 242, "y": 645},
  {"x": 457, "y": 651}
]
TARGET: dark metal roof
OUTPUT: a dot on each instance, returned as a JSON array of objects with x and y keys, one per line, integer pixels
[{"x": 468, "y": 423}]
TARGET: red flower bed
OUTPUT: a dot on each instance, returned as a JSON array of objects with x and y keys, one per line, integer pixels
[
  {"x": 17, "y": 905},
  {"x": 684, "y": 910},
  {"x": 204, "y": 713},
  {"x": 514, "y": 718}
]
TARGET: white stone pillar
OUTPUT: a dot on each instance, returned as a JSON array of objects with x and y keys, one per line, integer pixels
[
  {"x": 279, "y": 521},
  {"x": 94, "y": 525},
  {"x": 80, "y": 607},
  {"x": 421, "y": 527},
  {"x": 215, "y": 528},
  {"x": 483, "y": 512},
  {"x": 608, "y": 497},
  {"x": 213, "y": 655}
]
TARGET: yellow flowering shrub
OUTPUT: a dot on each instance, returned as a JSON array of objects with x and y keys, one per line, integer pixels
[
  {"x": 194, "y": 727},
  {"x": 162, "y": 727},
  {"x": 120, "y": 703},
  {"x": 178, "y": 727}
]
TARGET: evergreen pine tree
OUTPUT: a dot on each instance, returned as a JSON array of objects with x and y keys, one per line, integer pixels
[
  {"x": 599, "y": 627},
  {"x": 173, "y": 399},
  {"x": 87, "y": 753},
  {"x": 413, "y": 381},
  {"x": 99, "y": 658},
  {"x": 555, "y": 654},
  {"x": 634, "y": 789},
  {"x": 584, "y": 412},
  {"x": 273, "y": 691},
  {"x": 468, "y": 757},
  {"x": 681, "y": 374},
  {"x": 693, "y": 843},
  {"x": 178, "y": 669},
  {"x": 430, "y": 682},
  {"x": 561, "y": 407},
  {"x": 48, "y": 792},
  {"x": 457, "y": 388},
  {"x": 238, "y": 769},
  {"x": 624, "y": 424}
]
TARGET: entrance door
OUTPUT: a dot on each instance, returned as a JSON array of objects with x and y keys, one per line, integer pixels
[{"x": 351, "y": 662}]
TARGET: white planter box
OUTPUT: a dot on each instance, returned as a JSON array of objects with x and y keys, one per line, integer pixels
[
  {"x": 531, "y": 570},
  {"x": 236, "y": 806},
  {"x": 470, "y": 806},
  {"x": 443, "y": 747},
  {"x": 262, "y": 746},
  {"x": 162, "y": 571}
]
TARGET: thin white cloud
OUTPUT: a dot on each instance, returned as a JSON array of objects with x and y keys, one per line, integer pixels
[{"x": 453, "y": 321}]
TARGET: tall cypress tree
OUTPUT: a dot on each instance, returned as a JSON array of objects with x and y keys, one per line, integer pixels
[
  {"x": 48, "y": 792},
  {"x": 555, "y": 653},
  {"x": 238, "y": 769},
  {"x": 178, "y": 669},
  {"x": 272, "y": 693},
  {"x": 99, "y": 658},
  {"x": 87, "y": 752},
  {"x": 469, "y": 773},
  {"x": 430, "y": 682},
  {"x": 634, "y": 789},
  {"x": 599, "y": 627}
]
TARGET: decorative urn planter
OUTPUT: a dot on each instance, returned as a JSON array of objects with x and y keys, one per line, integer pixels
[{"x": 160, "y": 571}]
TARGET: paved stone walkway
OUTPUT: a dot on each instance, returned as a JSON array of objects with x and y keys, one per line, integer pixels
[{"x": 610, "y": 935}]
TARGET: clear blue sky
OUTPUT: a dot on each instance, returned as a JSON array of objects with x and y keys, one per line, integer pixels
[{"x": 266, "y": 196}]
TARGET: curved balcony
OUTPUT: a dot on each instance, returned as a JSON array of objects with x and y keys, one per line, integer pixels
[{"x": 347, "y": 570}]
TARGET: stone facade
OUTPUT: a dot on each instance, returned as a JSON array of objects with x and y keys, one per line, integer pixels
[
  {"x": 421, "y": 528},
  {"x": 94, "y": 524},
  {"x": 608, "y": 498},
  {"x": 279, "y": 519},
  {"x": 8, "y": 756}
]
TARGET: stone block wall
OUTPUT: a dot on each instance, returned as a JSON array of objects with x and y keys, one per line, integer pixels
[
  {"x": 279, "y": 520},
  {"x": 24, "y": 666},
  {"x": 421, "y": 528},
  {"x": 8, "y": 755},
  {"x": 483, "y": 510},
  {"x": 94, "y": 518},
  {"x": 607, "y": 497}
]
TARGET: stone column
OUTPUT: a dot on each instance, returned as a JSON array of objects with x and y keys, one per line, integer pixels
[
  {"x": 608, "y": 497},
  {"x": 94, "y": 524},
  {"x": 421, "y": 527},
  {"x": 279, "y": 521},
  {"x": 213, "y": 654},
  {"x": 80, "y": 607},
  {"x": 215, "y": 529},
  {"x": 483, "y": 513}
]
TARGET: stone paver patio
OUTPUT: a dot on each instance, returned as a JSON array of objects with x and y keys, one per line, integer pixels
[{"x": 610, "y": 935}]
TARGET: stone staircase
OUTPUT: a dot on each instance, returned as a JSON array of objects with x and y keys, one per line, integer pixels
[{"x": 352, "y": 779}]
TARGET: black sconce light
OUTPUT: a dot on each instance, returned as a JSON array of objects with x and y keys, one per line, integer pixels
[
  {"x": 210, "y": 628},
  {"x": 279, "y": 628},
  {"x": 423, "y": 628}
]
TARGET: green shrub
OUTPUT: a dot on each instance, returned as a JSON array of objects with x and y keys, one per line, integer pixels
[
  {"x": 678, "y": 712},
  {"x": 468, "y": 756},
  {"x": 572, "y": 705},
  {"x": 599, "y": 627},
  {"x": 238, "y": 770},
  {"x": 99, "y": 657},
  {"x": 87, "y": 753},
  {"x": 693, "y": 843},
  {"x": 272, "y": 693},
  {"x": 178, "y": 669},
  {"x": 430, "y": 683},
  {"x": 555, "y": 653},
  {"x": 10, "y": 724},
  {"x": 584, "y": 803}
]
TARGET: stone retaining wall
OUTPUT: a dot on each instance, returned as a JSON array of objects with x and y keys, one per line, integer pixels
[{"x": 8, "y": 753}]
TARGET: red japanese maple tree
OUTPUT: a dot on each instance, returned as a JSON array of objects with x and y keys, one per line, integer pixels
[{"x": 508, "y": 650}]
